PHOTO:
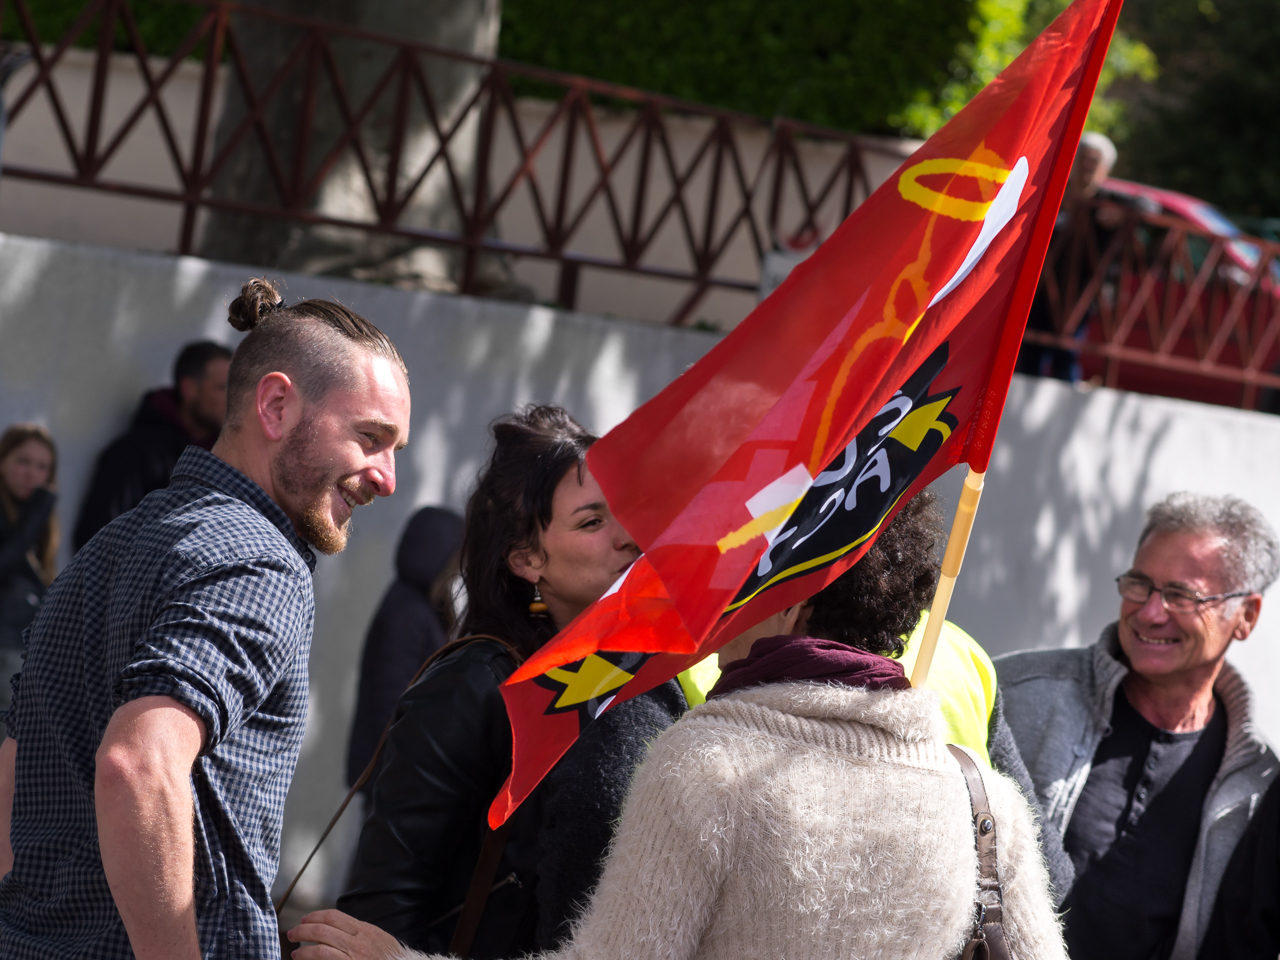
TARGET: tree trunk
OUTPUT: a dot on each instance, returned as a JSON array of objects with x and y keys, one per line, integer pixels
[{"x": 470, "y": 26}]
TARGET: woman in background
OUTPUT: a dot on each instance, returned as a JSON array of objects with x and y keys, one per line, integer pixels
[
  {"x": 540, "y": 545},
  {"x": 28, "y": 537}
]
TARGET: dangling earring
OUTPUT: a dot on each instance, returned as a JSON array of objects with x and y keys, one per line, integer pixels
[{"x": 537, "y": 608}]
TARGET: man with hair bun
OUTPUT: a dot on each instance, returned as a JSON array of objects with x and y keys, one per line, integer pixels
[
  {"x": 1142, "y": 747},
  {"x": 157, "y": 720}
]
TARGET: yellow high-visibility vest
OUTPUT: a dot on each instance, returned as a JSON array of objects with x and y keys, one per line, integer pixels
[{"x": 962, "y": 675}]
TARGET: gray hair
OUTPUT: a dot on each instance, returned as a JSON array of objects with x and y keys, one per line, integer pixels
[
  {"x": 1102, "y": 143},
  {"x": 1250, "y": 548}
]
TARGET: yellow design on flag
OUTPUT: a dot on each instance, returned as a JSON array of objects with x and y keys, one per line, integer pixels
[
  {"x": 760, "y": 525},
  {"x": 957, "y": 208},
  {"x": 595, "y": 678},
  {"x": 910, "y": 432}
]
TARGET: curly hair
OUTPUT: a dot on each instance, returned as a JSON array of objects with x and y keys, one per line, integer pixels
[{"x": 876, "y": 603}]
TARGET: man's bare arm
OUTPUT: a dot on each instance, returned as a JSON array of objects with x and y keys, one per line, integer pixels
[
  {"x": 8, "y": 766},
  {"x": 142, "y": 792}
]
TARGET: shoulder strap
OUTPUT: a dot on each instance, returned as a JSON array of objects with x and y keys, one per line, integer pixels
[
  {"x": 369, "y": 769},
  {"x": 478, "y": 893},
  {"x": 987, "y": 940}
]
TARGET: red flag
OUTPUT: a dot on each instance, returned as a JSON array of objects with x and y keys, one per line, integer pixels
[{"x": 768, "y": 468}]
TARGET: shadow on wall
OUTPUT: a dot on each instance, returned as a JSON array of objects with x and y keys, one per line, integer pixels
[
  {"x": 87, "y": 330},
  {"x": 1068, "y": 486}
]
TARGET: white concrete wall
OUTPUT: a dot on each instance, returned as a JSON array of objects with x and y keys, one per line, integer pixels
[{"x": 85, "y": 330}]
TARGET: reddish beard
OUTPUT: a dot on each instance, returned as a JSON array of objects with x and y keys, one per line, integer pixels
[{"x": 309, "y": 478}]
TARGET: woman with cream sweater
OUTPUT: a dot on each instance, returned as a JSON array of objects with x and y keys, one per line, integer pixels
[{"x": 809, "y": 809}]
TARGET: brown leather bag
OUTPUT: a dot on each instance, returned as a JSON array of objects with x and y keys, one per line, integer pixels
[
  {"x": 987, "y": 940},
  {"x": 490, "y": 851}
]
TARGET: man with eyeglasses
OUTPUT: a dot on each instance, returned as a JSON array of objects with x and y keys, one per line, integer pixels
[{"x": 1141, "y": 747}]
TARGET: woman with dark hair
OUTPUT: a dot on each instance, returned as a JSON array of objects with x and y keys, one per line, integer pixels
[
  {"x": 28, "y": 537},
  {"x": 539, "y": 546},
  {"x": 810, "y": 808}
]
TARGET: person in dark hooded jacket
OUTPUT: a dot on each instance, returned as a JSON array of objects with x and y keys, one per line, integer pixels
[
  {"x": 170, "y": 419},
  {"x": 28, "y": 538},
  {"x": 413, "y": 621}
]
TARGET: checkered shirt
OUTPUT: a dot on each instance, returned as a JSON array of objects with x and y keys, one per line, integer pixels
[{"x": 201, "y": 593}]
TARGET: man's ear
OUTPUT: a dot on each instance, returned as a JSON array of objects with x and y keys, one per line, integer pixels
[
  {"x": 278, "y": 405},
  {"x": 526, "y": 564},
  {"x": 1250, "y": 610}
]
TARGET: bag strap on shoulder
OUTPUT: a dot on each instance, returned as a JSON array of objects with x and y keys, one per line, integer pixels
[
  {"x": 987, "y": 940},
  {"x": 369, "y": 769}
]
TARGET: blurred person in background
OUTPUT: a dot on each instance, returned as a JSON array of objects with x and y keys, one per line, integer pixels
[
  {"x": 540, "y": 546},
  {"x": 28, "y": 537},
  {"x": 414, "y": 620},
  {"x": 168, "y": 420},
  {"x": 1095, "y": 157}
]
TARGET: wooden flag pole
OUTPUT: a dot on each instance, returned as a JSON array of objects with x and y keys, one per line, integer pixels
[{"x": 961, "y": 527}]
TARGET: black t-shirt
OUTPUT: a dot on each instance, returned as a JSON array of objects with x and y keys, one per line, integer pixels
[{"x": 1133, "y": 834}]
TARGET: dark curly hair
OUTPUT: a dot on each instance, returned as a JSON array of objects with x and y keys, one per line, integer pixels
[
  {"x": 877, "y": 602},
  {"x": 533, "y": 449}
]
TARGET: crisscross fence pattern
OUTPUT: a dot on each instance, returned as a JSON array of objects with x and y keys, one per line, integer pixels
[
  {"x": 597, "y": 178},
  {"x": 1159, "y": 305},
  {"x": 699, "y": 217}
]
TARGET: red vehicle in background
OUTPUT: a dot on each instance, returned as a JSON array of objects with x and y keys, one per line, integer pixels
[
  {"x": 1163, "y": 294},
  {"x": 1243, "y": 254}
]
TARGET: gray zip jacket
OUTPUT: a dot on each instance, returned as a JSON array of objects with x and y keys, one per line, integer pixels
[{"x": 1058, "y": 704}]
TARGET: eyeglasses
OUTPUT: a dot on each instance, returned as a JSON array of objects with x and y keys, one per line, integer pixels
[{"x": 1175, "y": 599}]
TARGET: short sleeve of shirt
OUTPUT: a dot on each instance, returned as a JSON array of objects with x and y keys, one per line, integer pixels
[{"x": 220, "y": 642}]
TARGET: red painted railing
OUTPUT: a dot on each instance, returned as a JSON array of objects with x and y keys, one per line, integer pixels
[
  {"x": 1154, "y": 304},
  {"x": 1160, "y": 306},
  {"x": 725, "y": 191}
]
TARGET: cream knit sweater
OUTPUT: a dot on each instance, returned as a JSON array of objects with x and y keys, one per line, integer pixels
[{"x": 806, "y": 821}]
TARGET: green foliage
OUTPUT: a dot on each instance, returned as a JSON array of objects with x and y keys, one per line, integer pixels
[
  {"x": 1003, "y": 29},
  {"x": 998, "y": 27},
  {"x": 161, "y": 25},
  {"x": 1208, "y": 125},
  {"x": 855, "y": 64}
]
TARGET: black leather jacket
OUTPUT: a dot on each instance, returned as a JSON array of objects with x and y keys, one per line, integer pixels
[{"x": 448, "y": 753}]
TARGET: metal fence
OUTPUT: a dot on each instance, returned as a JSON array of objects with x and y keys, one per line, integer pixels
[
  {"x": 1154, "y": 304},
  {"x": 670, "y": 216},
  {"x": 1158, "y": 305}
]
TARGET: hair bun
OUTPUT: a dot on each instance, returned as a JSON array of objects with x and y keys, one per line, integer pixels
[{"x": 258, "y": 298}]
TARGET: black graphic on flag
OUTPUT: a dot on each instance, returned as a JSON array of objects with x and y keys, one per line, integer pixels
[
  {"x": 859, "y": 488},
  {"x": 587, "y": 686}
]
